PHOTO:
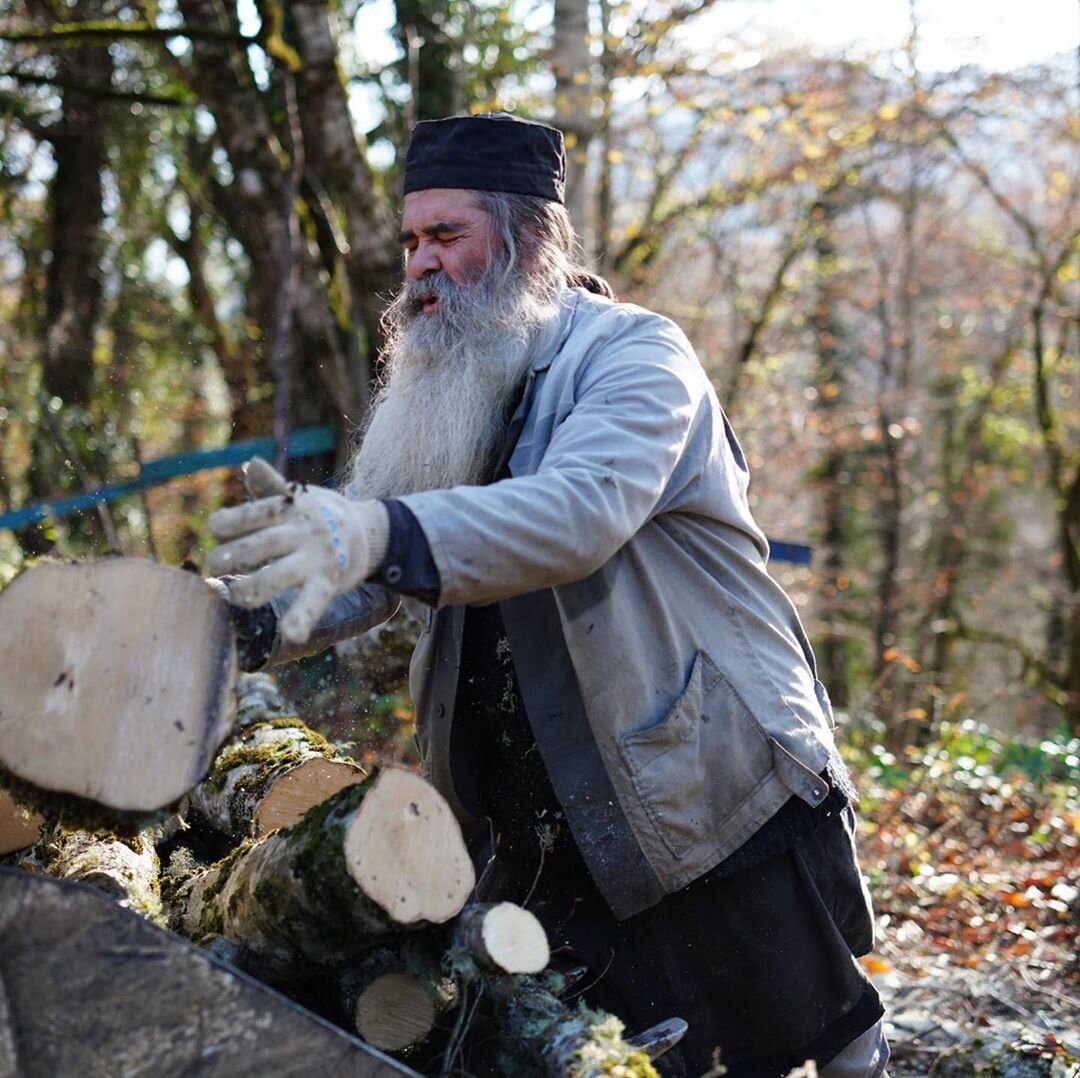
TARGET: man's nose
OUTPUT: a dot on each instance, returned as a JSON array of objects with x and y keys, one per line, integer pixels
[{"x": 421, "y": 262}]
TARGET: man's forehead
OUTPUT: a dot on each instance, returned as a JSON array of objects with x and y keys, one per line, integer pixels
[{"x": 448, "y": 205}]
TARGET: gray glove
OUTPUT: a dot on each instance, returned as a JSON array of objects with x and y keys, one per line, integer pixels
[{"x": 306, "y": 537}]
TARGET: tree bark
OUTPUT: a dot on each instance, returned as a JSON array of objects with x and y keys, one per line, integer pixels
[
  {"x": 546, "y": 1037},
  {"x": 571, "y": 62},
  {"x": 835, "y": 479},
  {"x": 128, "y": 870}
]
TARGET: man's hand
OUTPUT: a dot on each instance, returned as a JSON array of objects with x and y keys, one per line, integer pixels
[{"x": 306, "y": 537}]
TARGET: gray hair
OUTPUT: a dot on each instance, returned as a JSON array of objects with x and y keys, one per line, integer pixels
[{"x": 537, "y": 238}]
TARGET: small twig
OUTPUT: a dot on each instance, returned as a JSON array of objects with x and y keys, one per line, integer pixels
[{"x": 457, "y": 1039}]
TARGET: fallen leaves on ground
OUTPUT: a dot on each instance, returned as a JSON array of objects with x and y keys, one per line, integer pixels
[{"x": 974, "y": 866}]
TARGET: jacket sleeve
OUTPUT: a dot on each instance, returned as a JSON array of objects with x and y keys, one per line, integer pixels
[{"x": 602, "y": 476}]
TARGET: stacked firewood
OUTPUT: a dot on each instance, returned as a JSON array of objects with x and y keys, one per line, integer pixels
[{"x": 351, "y": 892}]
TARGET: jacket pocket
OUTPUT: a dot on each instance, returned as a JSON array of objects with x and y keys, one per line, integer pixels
[{"x": 700, "y": 763}]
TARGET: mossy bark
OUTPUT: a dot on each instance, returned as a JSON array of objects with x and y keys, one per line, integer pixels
[
  {"x": 128, "y": 869},
  {"x": 268, "y": 776},
  {"x": 546, "y": 1038},
  {"x": 308, "y": 896}
]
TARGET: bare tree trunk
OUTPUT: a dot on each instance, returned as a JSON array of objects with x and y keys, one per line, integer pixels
[
  {"x": 835, "y": 479},
  {"x": 73, "y": 284},
  {"x": 571, "y": 62},
  {"x": 328, "y": 381}
]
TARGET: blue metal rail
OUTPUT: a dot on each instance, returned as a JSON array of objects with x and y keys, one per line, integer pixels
[{"x": 306, "y": 442}]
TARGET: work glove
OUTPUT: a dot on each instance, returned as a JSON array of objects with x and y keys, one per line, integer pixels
[{"x": 306, "y": 537}]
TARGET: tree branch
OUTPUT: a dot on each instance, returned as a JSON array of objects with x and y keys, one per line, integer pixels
[
  {"x": 98, "y": 92},
  {"x": 74, "y": 33}
]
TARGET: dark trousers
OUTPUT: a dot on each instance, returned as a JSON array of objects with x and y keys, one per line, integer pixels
[{"x": 760, "y": 963}]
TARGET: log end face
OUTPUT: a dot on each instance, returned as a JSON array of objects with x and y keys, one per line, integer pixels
[
  {"x": 514, "y": 939},
  {"x": 308, "y": 784},
  {"x": 405, "y": 850},
  {"x": 116, "y": 680},
  {"x": 395, "y": 1012}
]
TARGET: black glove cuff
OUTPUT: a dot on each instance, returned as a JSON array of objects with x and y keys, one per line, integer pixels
[{"x": 255, "y": 632}]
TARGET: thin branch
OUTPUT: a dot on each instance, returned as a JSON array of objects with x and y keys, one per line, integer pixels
[
  {"x": 1049, "y": 683},
  {"x": 75, "y": 33},
  {"x": 796, "y": 242},
  {"x": 98, "y": 92}
]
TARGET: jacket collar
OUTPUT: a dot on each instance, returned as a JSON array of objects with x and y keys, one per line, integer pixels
[{"x": 547, "y": 345}]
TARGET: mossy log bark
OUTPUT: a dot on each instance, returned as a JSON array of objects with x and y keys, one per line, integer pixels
[
  {"x": 127, "y": 869},
  {"x": 502, "y": 937},
  {"x": 116, "y": 680},
  {"x": 20, "y": 826},
  {"x": 273, "y": 771},
  {"x": 371, "y": 860},
  {"x": 546, "y": 1038}
]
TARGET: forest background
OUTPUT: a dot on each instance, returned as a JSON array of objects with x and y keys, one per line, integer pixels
[{"x": 876, "y": 255}]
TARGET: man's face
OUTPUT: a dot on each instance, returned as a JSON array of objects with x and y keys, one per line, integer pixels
[{"x": 443, "y": 229}]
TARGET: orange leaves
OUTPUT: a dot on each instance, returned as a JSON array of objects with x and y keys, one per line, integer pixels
[
  {"x": 981, "y": 874},
  {"x": 895, "y": 655}
]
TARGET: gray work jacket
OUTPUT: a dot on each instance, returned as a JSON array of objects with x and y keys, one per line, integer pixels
[{"x": 666, "y": 676}]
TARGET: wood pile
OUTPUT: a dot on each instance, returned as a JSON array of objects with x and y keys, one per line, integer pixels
[{"x": 351, "y": 892}]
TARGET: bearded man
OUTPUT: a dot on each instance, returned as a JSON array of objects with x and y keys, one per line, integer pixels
[{"x": 608, "y": 684}]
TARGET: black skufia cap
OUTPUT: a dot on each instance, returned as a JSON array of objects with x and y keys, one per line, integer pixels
[{"x": 489, "y": 152}]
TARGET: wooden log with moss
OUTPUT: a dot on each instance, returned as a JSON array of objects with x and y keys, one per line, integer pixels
[
  {"x": 272, "y": 771},
  {"x": 372, "y": 860},
  {"x": 544, "y": 1037},
  {"x": 116, "y": 680},
  {"x": 502, "y": 936},
  {"x": 127, "y": 869},
  {"x": 20, "y": 825}
]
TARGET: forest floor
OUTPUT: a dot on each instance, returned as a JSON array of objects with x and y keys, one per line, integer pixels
[{"x": 973, "y": 854}]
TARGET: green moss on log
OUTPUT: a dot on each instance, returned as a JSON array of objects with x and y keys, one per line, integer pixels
[{"x": 80, "y": 813}]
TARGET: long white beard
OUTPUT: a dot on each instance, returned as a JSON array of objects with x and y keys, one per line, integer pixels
[{"x": 450, "y": 377}]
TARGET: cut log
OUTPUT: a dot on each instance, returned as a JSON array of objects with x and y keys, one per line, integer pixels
[
  {"x": 19, "y": 826},
  {"x": 116, "y": 680},
  {"x": 544, "y": 1036},
  {"x": 503, "y": 937},
  {"x": 393, "y": 996},
  {"x": 396, "y": 1011},
  {"x": 128, "y": 870},
  {"x": 273, "y": 771},
  {"x": 374, "y": 858}
]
